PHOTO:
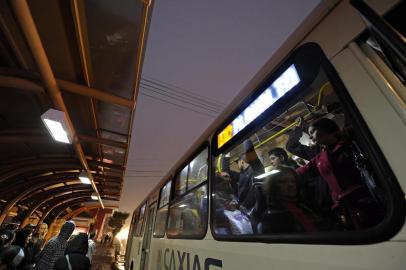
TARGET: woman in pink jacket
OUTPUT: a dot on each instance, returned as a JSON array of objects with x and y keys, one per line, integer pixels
[{"x": 352, "y": 202}]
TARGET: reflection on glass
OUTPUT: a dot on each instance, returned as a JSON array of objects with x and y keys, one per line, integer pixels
[
  {"x": 188, "y": 215},
  {"x": 198, "y": 170},
  {"x": 140, "y": 223},
  {"x": 303, "y": 171},
  {"x": 165, "y": 194},
  {"x": 181, "y": 181},
  {"x": 160, "y": 223}
]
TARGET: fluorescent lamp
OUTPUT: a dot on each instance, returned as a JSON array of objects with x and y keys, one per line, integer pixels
[
  {"x": 94, "y": 196},
  {"x": 54, "y": 120},
  {"x": 266, "y": 174},
  {"x": 182, "y": 205},
  {"x": 84, "y": 178}
]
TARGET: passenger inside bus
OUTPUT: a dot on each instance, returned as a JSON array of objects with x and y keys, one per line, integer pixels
[
  {"x": 336, "y": 189},
  {"x": 335, "y": 163},
  {"x": 278, "y": 156},
  {"x": 285, "y": 210}
]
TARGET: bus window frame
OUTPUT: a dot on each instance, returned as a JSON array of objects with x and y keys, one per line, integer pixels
[
  {"x": 395, "y": 216},
  {"x": 167, "y": 204},
  {"x": 175, "y": 199},
  {"x": 141, "y": 232}
]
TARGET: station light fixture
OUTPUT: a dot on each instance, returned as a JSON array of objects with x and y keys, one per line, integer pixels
[
  {"x": 55, "y": 121},
  {"x": 84, "y": 178},
  {"x": 94, "y": 196}
]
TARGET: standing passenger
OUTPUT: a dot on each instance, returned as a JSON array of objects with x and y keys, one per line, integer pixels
[
  {"x": 75, "y": 255},
  {"x": 55, "y": 247},
  {"x": 285, "y": 211},
  {"x": 92, "y": 246},
  {"x": 38, "y": 240},
  {"x": 278, "y": 156},
  {"x": 22, "y": 240},
  {"x": 335, "y": 164}
]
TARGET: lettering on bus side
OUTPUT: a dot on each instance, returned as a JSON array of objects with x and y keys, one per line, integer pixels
[{"x": 180, "y": 260}]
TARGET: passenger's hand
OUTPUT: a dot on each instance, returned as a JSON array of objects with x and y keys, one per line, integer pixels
[
  {"x": 299, "y": 120},
  {"x": 225, "y": 176},
  {"x": 232, "y": 205}
]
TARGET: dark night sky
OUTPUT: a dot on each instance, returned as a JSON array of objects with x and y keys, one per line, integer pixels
[{"x": 211, "y": 49}]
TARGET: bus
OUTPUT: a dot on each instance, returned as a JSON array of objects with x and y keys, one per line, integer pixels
[{"x": 305, "y": 168}]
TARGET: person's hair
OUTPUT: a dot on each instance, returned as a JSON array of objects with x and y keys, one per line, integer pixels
[
  {"x": 326, "y": 125},
  {"x": 21, "y": 237},
  {"x": 242, "y": 157},
  {"x": 92, "y": 235},
  {"x": 270, "y": 186},
  {"x": 279, "y": 152}
]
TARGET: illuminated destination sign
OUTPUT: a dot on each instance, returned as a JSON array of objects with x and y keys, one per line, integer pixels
[{"x": 275, "y": 91}]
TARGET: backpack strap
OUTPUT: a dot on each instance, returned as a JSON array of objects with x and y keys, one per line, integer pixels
[{"x": 67, "y": 259}]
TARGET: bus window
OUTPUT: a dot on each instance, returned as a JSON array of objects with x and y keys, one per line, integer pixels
[
  {"x": 162, "y": 213},
  {"x": 140, "y": 223},
  {"x": 306, "y": 168},
  {"x": 181, "y": 181},
  {"x": 198, "y": 170},
  {"x": 188, "y": 213}
]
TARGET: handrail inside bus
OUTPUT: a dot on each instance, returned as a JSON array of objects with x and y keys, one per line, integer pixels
[{"x": 306, "y": 116}]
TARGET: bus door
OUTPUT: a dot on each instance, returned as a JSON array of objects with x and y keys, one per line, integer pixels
[{"x": 149, "y": 226}]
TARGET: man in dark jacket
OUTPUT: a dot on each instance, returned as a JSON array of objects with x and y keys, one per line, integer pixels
[
  {"x": 75, "y": 255},
  {"x": 55, "y": 247}
]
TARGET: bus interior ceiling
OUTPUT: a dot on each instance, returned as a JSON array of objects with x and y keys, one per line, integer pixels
[{"x": 80, "y": 57}]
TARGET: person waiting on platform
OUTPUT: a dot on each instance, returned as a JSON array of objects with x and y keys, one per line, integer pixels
[
  {"x": 55, "y": 247},
  {"x": 38, "y": 240},
  {"x": 75, "y": 255},
  {"x": 23, "y": 240}
]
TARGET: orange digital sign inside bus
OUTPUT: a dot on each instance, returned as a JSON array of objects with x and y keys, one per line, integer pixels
[{"x": 269, "y": 96}]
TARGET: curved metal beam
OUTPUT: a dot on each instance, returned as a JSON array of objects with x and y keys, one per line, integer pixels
[
  {"x": 50, "y": 192},
  {"x": 7, "y": 81},
  {"x": 51, "y": 203},
  {"x": 77, "y": 211},
  {"x": 23, "y": 184},
  {"x": 45, "y": 214},
  {"x": 63, "y": 207},
  {"x": 15, "y": 164},
  {"x": 12, "y": 202},
  {"x": 40, "y": 202},
  {"x": 12, "y": 82},
  {"x": 26, "y": 169}
]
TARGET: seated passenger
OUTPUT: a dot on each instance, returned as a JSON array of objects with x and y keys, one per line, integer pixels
[
  {"x": 285, "y": 212},
  {"x": 278, "y": 156},
  {"x": 335, "y": 163}
]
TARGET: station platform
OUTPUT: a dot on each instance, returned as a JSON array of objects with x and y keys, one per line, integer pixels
[{"x": 103, "y": 259}]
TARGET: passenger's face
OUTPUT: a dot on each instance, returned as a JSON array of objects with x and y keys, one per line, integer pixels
[
  {"x": 43, "y": 229},
  {"x": 242, "y": 164},
  {"x": 317, "y": 136},
  {"x": 287, "y": 186},
  {"x": 29, "y": 238},
  {"x": 275, "y": 160}
]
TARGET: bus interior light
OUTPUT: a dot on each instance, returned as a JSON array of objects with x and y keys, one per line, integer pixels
[
  {"x": 55, "y": 122},
  {"x": 266, "y": 174}
]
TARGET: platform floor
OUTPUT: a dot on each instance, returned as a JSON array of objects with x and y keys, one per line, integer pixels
[{"x": 103, "y": 258}]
